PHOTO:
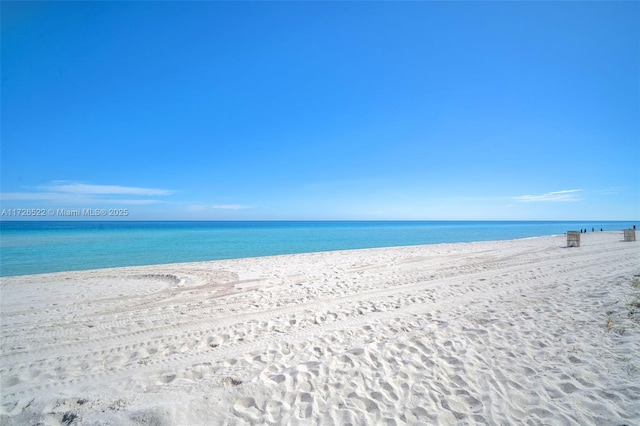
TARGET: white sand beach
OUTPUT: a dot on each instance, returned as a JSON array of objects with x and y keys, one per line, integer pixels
[{"x": 509, "y": 332}]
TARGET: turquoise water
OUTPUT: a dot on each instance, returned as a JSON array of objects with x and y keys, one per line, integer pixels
[{"x": 39, "y": 247}]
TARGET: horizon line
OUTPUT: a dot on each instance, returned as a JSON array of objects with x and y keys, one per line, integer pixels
[{"x": 320, "y": 220}]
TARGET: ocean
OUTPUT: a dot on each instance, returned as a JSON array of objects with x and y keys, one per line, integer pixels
[{"x": 54, "y": 246}]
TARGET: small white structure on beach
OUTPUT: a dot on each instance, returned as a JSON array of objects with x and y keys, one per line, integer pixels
[
  {"x": 630, "y": 234},
  {"x": 573, "y": 239}
]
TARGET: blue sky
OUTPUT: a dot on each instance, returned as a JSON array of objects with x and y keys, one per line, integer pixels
[{"x": 323, "y": 110}]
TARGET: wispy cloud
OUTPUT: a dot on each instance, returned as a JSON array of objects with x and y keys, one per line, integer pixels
[
  {"x": 77, "y": 192},
  {"x": 610, "y": 191},
  {"x": 137, "y": 202},
  {"x": 230, "y": 206},
  {"x": 68, "y": 187},
  {"x": 557, "y": 196},
  {"x": 30, "y": 196}
]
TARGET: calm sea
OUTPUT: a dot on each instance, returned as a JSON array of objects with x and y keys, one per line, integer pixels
[{"x": 39, "y": 247}]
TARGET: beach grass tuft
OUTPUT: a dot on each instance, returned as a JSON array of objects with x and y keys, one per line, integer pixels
[
  {"x": 610, "y": 324},
  {"x": 634, "y": 305}
]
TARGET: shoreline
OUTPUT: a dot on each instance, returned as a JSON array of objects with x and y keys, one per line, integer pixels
[
  {"x": 35, "y": 248},
  {"x": 506, "y": 331},
  {"x": 170, "y": 264}
]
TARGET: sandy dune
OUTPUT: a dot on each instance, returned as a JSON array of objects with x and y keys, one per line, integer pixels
[{"x": 510, "y": 332}]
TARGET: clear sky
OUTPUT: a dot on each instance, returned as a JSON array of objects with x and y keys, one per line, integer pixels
[{"x": 323, "y": 110}]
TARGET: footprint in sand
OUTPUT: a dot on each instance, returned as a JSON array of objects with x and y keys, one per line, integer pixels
[
  {"x": 166, "y": 378},
  {"x": 247, "y": 408}
]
